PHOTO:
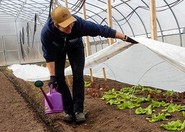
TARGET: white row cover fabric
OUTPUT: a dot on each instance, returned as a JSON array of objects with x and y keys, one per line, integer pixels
[
  {"x": 139, "y": 65},
  {"x": 172, "y": 53},
  {"x": 30, "y": 72},
  {"x": 149, "y": 63}
]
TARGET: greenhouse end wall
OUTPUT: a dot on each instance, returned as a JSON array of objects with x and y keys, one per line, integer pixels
[{"x": 17, "y": 46}]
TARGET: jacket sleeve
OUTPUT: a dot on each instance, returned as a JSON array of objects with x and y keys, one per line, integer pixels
[
  {"x": 49, "y": 50},
  {"x": 88, "y": 28}
]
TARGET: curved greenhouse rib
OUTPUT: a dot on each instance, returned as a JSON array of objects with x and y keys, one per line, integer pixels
[
  {"x": 95, "y": 20},
  {"x": 117, "y": 21},
  {"x": 78, "y": 5},
  {"x": 103, "y": 19},
  {"x": 138, "y": 17},
  {"x": 180, "y": 35}
]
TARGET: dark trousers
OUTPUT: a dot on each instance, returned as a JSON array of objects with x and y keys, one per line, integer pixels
[{"x": 72, "y": 102}]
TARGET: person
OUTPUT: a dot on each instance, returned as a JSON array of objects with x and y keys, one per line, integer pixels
[{"x": 62, "y": 35}]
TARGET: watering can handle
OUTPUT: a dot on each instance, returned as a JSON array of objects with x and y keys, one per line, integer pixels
[{"x": 51, "y": 88}]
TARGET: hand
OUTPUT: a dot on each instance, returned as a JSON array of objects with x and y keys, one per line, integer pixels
[
  {"x": 53, "y": 81},
  {"x": 128, "y": 39}
]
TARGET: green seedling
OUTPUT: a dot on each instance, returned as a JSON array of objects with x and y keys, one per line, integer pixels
[
  {"x": 141, "y": 111},
  {"x": 158, "y": 117},
  {"x": 177, "y": 125}
]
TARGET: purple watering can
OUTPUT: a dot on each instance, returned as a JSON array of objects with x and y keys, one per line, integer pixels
[{"x": 53, "y": 99}]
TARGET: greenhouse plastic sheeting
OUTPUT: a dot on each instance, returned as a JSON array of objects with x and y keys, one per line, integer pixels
[{"x": 131, "y": 16}]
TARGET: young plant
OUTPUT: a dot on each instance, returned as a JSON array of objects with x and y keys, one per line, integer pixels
[
  {"x": 87, "y": 84},
  {"x": 111, "y": 94},
  {"x": 141, "y": 111},
  {"x": 183, "y": 114},
  {"x": 177, "y": 125},
  {"x": 116, "y": 101},
  {"x": 127, "y": 104},
  {"x": 159, "y": 117},
  {"x": 156, "y": 104},
  {"x": 172, "y": 108},
  {"x": 142, "y": 99}
]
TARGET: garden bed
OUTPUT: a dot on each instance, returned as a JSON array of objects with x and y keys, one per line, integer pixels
[{"x": 100, "y": 115}]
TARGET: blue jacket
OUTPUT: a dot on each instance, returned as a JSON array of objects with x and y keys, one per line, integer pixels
[{"x": 53, "y": 39}]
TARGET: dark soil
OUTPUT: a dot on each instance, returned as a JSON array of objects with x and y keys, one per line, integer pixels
[{"x": 22, "y": 109}]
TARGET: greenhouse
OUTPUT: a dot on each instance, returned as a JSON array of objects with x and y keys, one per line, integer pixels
[{"x": 153, "y": 68}]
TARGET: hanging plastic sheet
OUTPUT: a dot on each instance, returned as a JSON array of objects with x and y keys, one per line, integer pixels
[
  {"x": 28, "y": 37},
  {"x": 34, "y": 29},
  {"x": 21, "y": 46}
]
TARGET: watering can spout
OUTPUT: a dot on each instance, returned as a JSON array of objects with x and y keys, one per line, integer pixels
[{"x": 38, "y": 83}]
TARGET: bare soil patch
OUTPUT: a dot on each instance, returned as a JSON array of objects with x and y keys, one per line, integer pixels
[{"x": 15, "y": 114}]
